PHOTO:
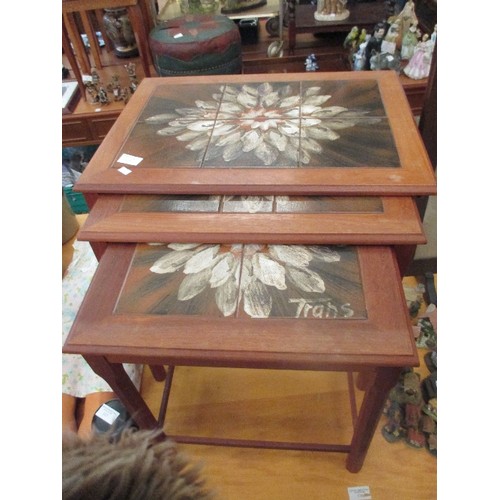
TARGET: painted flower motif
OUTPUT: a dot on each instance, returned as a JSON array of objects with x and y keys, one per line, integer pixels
[
  {"x": 251, "y": 204},
  {"x": 260, "y": 119},
  {"x": 244, "y": 272}
]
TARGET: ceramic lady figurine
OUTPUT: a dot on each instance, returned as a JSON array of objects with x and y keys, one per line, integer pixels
[
  {"x": 410, "y": 40},
  {"x": 392, "y": 37},
  {"x": 359, "y": 57},
  {"x": 420, "y": 63},
  {"x": 407, "y": 18}
]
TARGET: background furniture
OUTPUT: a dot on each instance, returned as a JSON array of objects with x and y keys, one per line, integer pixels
[
  {"x": 363, "y": 15},
  {"x": 89, "y": 13},
  {"x": 196, "y": 45}
]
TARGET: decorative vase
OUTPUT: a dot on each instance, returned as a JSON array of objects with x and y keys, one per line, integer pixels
[{"x": 119, "y": 30}]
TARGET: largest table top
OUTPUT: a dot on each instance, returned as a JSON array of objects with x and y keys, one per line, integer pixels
[{"x": 335, "y": 133}]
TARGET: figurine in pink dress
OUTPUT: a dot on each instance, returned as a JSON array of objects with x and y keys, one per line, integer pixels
[{"x": 420, "y": 63}]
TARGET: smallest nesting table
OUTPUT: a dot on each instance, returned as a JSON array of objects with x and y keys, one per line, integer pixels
[{"x": 254, "y": 306}]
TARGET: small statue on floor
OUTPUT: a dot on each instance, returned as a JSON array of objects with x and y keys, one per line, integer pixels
[
  {"x": 393, "y": 430},
  {"x": 331, "y": 10}
]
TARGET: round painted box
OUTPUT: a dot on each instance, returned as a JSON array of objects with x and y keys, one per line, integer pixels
[{"x": 196, "y": 45}]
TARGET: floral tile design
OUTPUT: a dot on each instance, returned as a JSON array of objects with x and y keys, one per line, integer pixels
[
  {"x": 323, "y": 124},
  {"x": 256, "y": 281},
  {"x": 251, "y": 204}
]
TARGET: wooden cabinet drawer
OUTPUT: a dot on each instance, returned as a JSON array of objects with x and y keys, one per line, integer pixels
[
  {"x": 87, "y": 129},
  {"x": 75, "y": 131},
  {"x": 101, "y": 125}
]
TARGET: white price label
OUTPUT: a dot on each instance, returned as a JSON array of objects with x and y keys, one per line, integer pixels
[{"x": 107, "y": 414}]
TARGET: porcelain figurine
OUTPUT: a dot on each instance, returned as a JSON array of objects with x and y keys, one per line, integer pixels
[
  {"x": 420, "y": 63},
  {"x": 374, "y": 43},
  {"x": 359, "y": 56},
  {"x": 351, "y": 38},
  {"x": 407, "y": 17},
  {"x": 331, "y": 10},
  {"x": 410, "y": 40},
  {"x": 392, "y": 37}
]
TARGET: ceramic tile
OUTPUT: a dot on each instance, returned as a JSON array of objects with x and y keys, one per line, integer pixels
[
  {"x": 248, "y": 204},
  {"x": 170, "y": 203},
  {"x": 257, "y": 281},
  {"x": 330, "y": 124},
  {"x": 328, "y": 204}
]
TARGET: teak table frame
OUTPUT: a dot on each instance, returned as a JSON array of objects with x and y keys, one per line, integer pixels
[{"x": 118, "y": 323}]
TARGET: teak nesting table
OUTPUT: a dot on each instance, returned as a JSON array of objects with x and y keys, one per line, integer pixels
[{"x": 257, "y": 221}]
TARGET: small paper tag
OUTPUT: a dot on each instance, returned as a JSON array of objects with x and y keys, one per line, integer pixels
[
  {"x": 107, "y": 414},
  {"x": 129, "y": 159},
  {"x": 359, "y": 493},
  {"x": 124, "y": 170}
]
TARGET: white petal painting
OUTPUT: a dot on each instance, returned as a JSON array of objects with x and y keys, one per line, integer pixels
[
  {"x": 247, "y": 273},
  {"x": 260, "y": 120}
]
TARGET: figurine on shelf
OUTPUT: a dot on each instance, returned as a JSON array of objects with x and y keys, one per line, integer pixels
[
  {"x": 363, "y": 36},
  {"x": 351, "y": 38},
  {"x": 434, "y": 34},
  {"x": 115, "y": 87},
  {"x": 92, "y": 92},
  {"x": 311, "y": 63},
  {"x": 385, "y": 60},
  {"x": 410, "y": 40},
  {"x": 420, "y": 63},
  {"x": 391, "y": 40},
  {"x": 130, "y": 67},
  {"x": 331, "y": 10},
  {"x": 124, "y": 95},
  {"x": 103, "y": 95},
  {"x": 96, "y": 80},
  {"x": 407, "y": 17},
  {"x": 374, "y": 43},
  {"x": 359, "y": 57},
  {"x": 354, "y": 39}
]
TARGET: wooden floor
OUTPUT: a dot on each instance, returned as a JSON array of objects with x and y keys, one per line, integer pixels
[{"x": 285, "y": 406}]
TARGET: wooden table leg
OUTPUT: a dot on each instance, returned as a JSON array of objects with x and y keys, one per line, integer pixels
[
  {"x": 365, "y": 379},
  {"x": 369, "y": 414},
  {"x": 116, "y": 376}
]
